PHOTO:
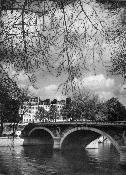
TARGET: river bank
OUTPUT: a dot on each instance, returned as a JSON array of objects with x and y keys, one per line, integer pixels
[
  {"x": 18, "y": 141},
  {"x": 9, "y": 141}
]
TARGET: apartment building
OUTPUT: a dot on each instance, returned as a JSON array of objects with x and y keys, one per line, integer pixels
[{"x": 29, "y": 109}]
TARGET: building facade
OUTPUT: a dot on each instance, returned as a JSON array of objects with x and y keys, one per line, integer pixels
[{"x": 29, "y": 109}]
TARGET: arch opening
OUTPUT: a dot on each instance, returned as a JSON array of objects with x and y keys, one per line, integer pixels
[
  {"x": 41, "y": 136},
  {"x": 79, "y": 139},
  {"x": 83, "y": 136}
]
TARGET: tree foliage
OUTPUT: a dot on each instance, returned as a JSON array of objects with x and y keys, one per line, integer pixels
[
  {"x": 42, "y": 114},
  {"x": 71, "y": 112},
  {"x": 115, "y": 110},
  {"x": 91, "y": 108},
  {"x": 117, "y": 35},
  {"x": 11, "y": 99},
  {"x": 85, "y": 106},
  {"x": 53, "y": 112}
]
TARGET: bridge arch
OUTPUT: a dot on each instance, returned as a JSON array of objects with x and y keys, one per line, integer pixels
[
  {"x": 114, "y": 142},
  {"x": 41, "y": 128}
]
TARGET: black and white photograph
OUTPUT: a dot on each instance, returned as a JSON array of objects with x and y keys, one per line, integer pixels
[{"x": 62, "y": 87}]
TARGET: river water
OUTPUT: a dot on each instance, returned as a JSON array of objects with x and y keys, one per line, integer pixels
[{"x": 35, "y": 160}]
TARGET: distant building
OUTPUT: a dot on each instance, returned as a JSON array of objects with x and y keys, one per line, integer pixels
[
  {"x": 29, "y": 109},
  {"x": 45, "y": 104}
]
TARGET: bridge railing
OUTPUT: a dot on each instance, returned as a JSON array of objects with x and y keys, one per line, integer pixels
[{"x": 86, "y": 122}]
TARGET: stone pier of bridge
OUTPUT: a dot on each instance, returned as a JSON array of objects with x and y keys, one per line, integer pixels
[{"x": 56, "y": 143}]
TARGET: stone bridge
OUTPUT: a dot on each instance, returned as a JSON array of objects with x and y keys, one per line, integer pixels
[{"x": 62, "y": 132}]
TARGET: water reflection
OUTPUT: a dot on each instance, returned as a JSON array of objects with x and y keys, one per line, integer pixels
[
  {"x": 103, "y": 152},
  {"x": 35, "y": 160}
]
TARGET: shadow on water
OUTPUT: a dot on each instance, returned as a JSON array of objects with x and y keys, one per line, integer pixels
[
  {"x": 39, "y": 137},
  {"x": 38, "y": 152}
]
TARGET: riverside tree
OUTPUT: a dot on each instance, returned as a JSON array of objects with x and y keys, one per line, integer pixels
[
  {"x": 71, "y": 111},
  {"x": 12, "y": 97},
  {"x": 91, "y": 107},
  {"x": 53, "y": 112},
  {"x": 42, "y": 114},
  {"x": 85, "y": 106},
  {"x": 115, "y": 110}
]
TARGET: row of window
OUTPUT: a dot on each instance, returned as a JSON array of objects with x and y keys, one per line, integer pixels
[
  {"x": 33, "y": 107},
  {"x": 29, "y": 120},
  {"x": 36, "y": 107},
  {"x": 60, "y": 107},
  {"x": 29, "y": 111},
  {"x": 34, "y": 99}
]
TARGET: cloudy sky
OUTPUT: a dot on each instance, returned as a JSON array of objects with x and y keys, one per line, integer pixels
[
  {"x": 99, "y": 82},
  {"x": 104, "y": 86}
]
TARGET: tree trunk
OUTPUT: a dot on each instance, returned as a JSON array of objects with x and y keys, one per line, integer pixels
[
  {"x": 1, "y": 118},
  {"x": 2, "y": 127},
  {"x": 55, "y": 117}
]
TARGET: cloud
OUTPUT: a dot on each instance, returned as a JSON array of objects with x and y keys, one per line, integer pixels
[
  {"x": 105, "y": 95},
  {"x": 123, "y": 89},
  {"x": 21, "y": 78},
  {"x": 104, "y": 87},
  {"x": 49, "y": 91},
  {"x": 122, "y": 96},
  {"x": 98, "y": 82},
  {"x": 51, "y": 88}
]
